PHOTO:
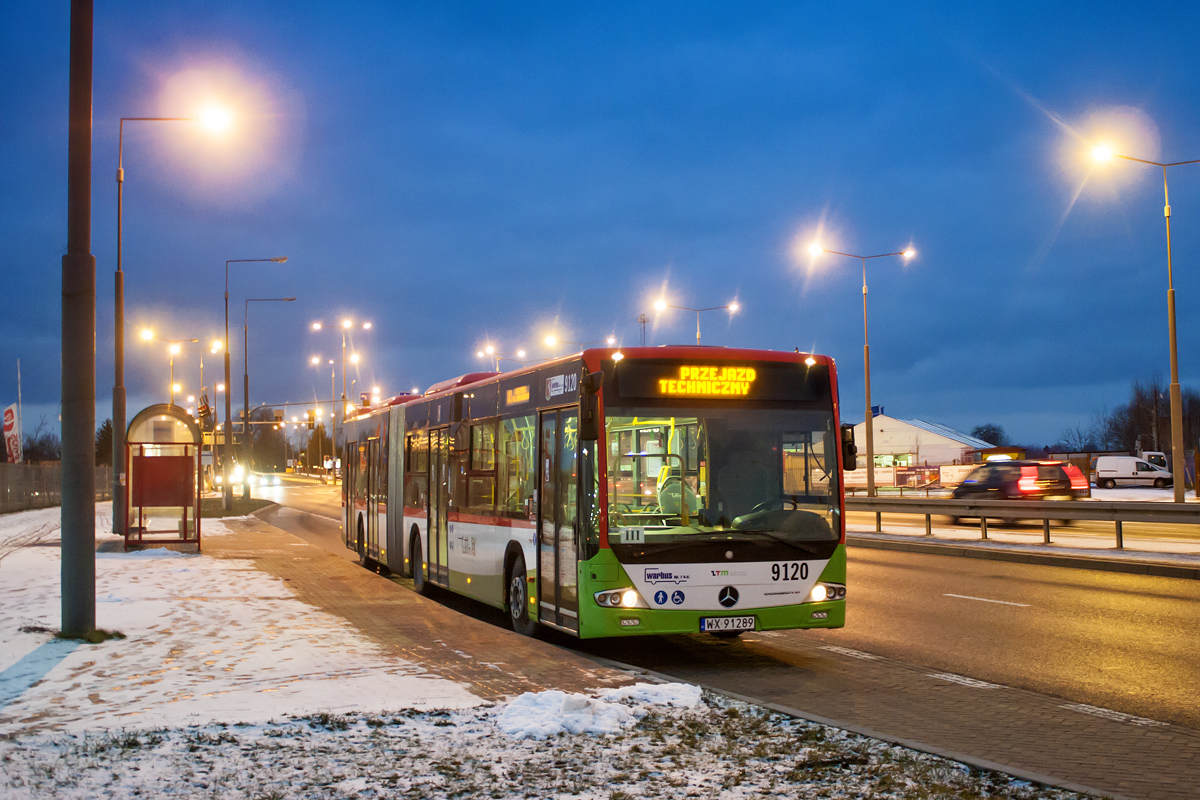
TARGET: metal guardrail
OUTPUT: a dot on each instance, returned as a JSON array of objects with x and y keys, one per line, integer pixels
[{"x": 1094, "y": 510}]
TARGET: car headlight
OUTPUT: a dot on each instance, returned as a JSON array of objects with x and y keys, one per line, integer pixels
[
  {"x": 827, "y": 591},
  {"x": 620, "y": 598},
  {"x": 275, "y": 481}
]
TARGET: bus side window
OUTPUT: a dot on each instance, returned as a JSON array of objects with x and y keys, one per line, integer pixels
[
  {"x": 515, "y": 453},
  {"x": 481, "y": 470}
]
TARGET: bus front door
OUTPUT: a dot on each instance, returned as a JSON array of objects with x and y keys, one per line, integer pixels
[
  {"x": 439, "y": 475},
  {"x": 558, "y": 592}
]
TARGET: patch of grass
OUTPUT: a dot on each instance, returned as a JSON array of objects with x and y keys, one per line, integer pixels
[
  {"x": 36, "y": 629},
  {"x": 91, "y": 637},
  {"x": 330, "y": 722}
]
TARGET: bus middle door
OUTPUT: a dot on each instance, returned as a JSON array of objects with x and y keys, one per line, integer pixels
[
  {"x": 439, "y": 484},
  {"x": 558, "y": 592}
]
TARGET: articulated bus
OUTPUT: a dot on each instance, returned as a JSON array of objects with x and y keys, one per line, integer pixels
[{"x": 652, "y": 490}]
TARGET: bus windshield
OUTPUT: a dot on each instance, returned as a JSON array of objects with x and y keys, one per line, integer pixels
[{"x": 680, "y": 478}]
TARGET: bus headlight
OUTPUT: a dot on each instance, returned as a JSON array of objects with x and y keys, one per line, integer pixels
[
  {"x": 620, "y": 598},
  {"x": 827, "y": 591}
]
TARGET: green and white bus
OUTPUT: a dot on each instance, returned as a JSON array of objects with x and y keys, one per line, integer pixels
[{"x": 615, "y": 492}]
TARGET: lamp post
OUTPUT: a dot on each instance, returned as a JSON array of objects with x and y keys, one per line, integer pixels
[
  {"x": 553, "y": 341},
  {"x": 1103, "y": 153},
  {"x": 906, "y": 254},
  {"x": 227, "y": 490},
  {"x": 246, "y": 384},
  {"x": 346, "y": 326},
  {"x": 732, "y": 308},
  {"x": 118, "y": 395},
  {"x": 490, "y": 352},
  {"x": 316, "y": 362}
]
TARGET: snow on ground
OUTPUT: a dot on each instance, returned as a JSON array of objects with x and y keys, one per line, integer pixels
[
  {"x": 717, "y": 748},
  {"x": 209, "y": 640},
  {"x": 1141, "y": 494},
  {"x": 228, "y": 686}
]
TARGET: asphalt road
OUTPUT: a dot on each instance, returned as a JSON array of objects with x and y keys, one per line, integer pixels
[{"x": 1123, "y": 642}]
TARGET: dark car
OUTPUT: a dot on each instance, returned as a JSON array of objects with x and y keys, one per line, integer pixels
[{"x": 1023, "y": 480}]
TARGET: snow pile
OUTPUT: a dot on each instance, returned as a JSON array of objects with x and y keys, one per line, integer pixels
[
  {"x": 157, "y": 552},
  {"x": 540, "y": 715},
  {"x": 679, "y": 695}
]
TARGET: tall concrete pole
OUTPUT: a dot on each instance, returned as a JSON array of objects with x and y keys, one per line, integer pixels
[{"x": 79, "y": 346}]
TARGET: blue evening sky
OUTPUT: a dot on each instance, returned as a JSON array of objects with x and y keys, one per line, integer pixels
[{"x": 457, "y": 172}]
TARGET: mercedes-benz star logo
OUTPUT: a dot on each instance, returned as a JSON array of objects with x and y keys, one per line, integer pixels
[{"x": 728, "y": 597}]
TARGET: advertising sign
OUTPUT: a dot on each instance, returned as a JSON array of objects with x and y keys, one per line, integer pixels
[
  {"x": 884, "y": 476},
  {"x": 12, "y": 436},
  {"x": 953, "y": 474}
]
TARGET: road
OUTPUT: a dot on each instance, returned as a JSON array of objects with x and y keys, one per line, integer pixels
[{"x": 1111, "y": 640}]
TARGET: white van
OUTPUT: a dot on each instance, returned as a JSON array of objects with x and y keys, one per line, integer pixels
[{"x": 1113, "y": 471}]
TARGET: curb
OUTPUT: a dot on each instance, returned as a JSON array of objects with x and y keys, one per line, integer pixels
[
  {"x": 1155, "y": 568},
  {"x": 962, "y": 758}
]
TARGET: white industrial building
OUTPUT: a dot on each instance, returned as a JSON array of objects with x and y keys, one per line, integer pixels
[{"x": 916, "y": 443}]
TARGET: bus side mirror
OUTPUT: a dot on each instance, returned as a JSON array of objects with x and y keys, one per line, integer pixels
[
  {"x": 849, "y": 449},
  {"x": 589, "y": 407}
]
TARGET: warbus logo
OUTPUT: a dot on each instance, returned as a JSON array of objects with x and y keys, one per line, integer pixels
[
  {"x": 554, "y": 386},
  {"x": 655, "y": 575}
]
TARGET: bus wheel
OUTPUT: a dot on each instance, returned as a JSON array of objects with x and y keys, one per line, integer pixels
[
  {"x": 418, "y": 568},
  {"x": 727, "y": 634},
  {"x": 518, "y": 599},
  {"x": 361, "y": 548}
]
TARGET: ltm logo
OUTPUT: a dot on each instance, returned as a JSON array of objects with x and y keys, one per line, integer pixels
[{"x": 720, "y": 573}]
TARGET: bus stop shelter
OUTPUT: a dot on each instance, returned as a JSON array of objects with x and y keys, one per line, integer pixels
[{"x": 162, "y": 460}]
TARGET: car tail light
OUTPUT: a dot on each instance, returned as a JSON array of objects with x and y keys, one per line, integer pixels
[
  {"x": 1028, "y": 480},
  {"x": 1076, "y": 476}
]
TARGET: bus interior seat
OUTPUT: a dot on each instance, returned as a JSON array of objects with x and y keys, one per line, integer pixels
[{"x": 673, "y": 491}]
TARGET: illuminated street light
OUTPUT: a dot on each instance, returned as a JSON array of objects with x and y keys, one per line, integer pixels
[
  {"x": 1103, "y": 153},
  {"x": 489, "y": 351},
  {"x": 732, "y": 307},
  {"x": 216, "y": 119},
  {"x": 147, "y": 335},
  {"x": 354, "y": 358},
  {"x": 907, "y": 254},
  {"x": 226, "y": 483},
  {"x": 118, "y": 393},
  {"x": 345, "y": 326}
]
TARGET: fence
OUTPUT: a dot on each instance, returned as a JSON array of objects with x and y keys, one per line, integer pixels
[
  {"x": 26, "y": 486},
  {"x": 1117, "y": 513}
]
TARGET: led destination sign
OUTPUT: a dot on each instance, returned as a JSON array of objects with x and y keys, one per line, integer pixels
[
  {"x": 667, "y": 380},
  {"x": 696, "y": 381}
]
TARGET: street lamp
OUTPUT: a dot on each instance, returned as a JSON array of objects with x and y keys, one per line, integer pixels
[
  {"x": 346, "y": 326},
  {"x": 227, "y": 490},
  {"x": 118, "y": 395},
  {"x": 246, "y": 384},
  {"x": 489, "y": 351},
  {"x": 661, "y": 305},
  {"x": 174, "y": 348},
  {"x": 316, "y": 362},
  {"x": 1104, "y": 153},
  {"x": 907, "y": 254},
  {"x": 554, "y": 341}
]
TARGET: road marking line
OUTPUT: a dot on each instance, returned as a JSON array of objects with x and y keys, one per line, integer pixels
[
  {"x": 986, "y": 600},
  {"x": 846, "y": 651},
  {"x": 1108, "y": 713},
  {"x": 963, "y": 680}
]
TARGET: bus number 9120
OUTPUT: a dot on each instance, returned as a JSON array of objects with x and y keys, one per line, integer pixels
[{"x": 790, "y": 571}]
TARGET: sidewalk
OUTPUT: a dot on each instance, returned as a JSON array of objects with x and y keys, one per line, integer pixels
[
  {"x": 1175, "y": 557},
  {"x": 493, "y": 662}
]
